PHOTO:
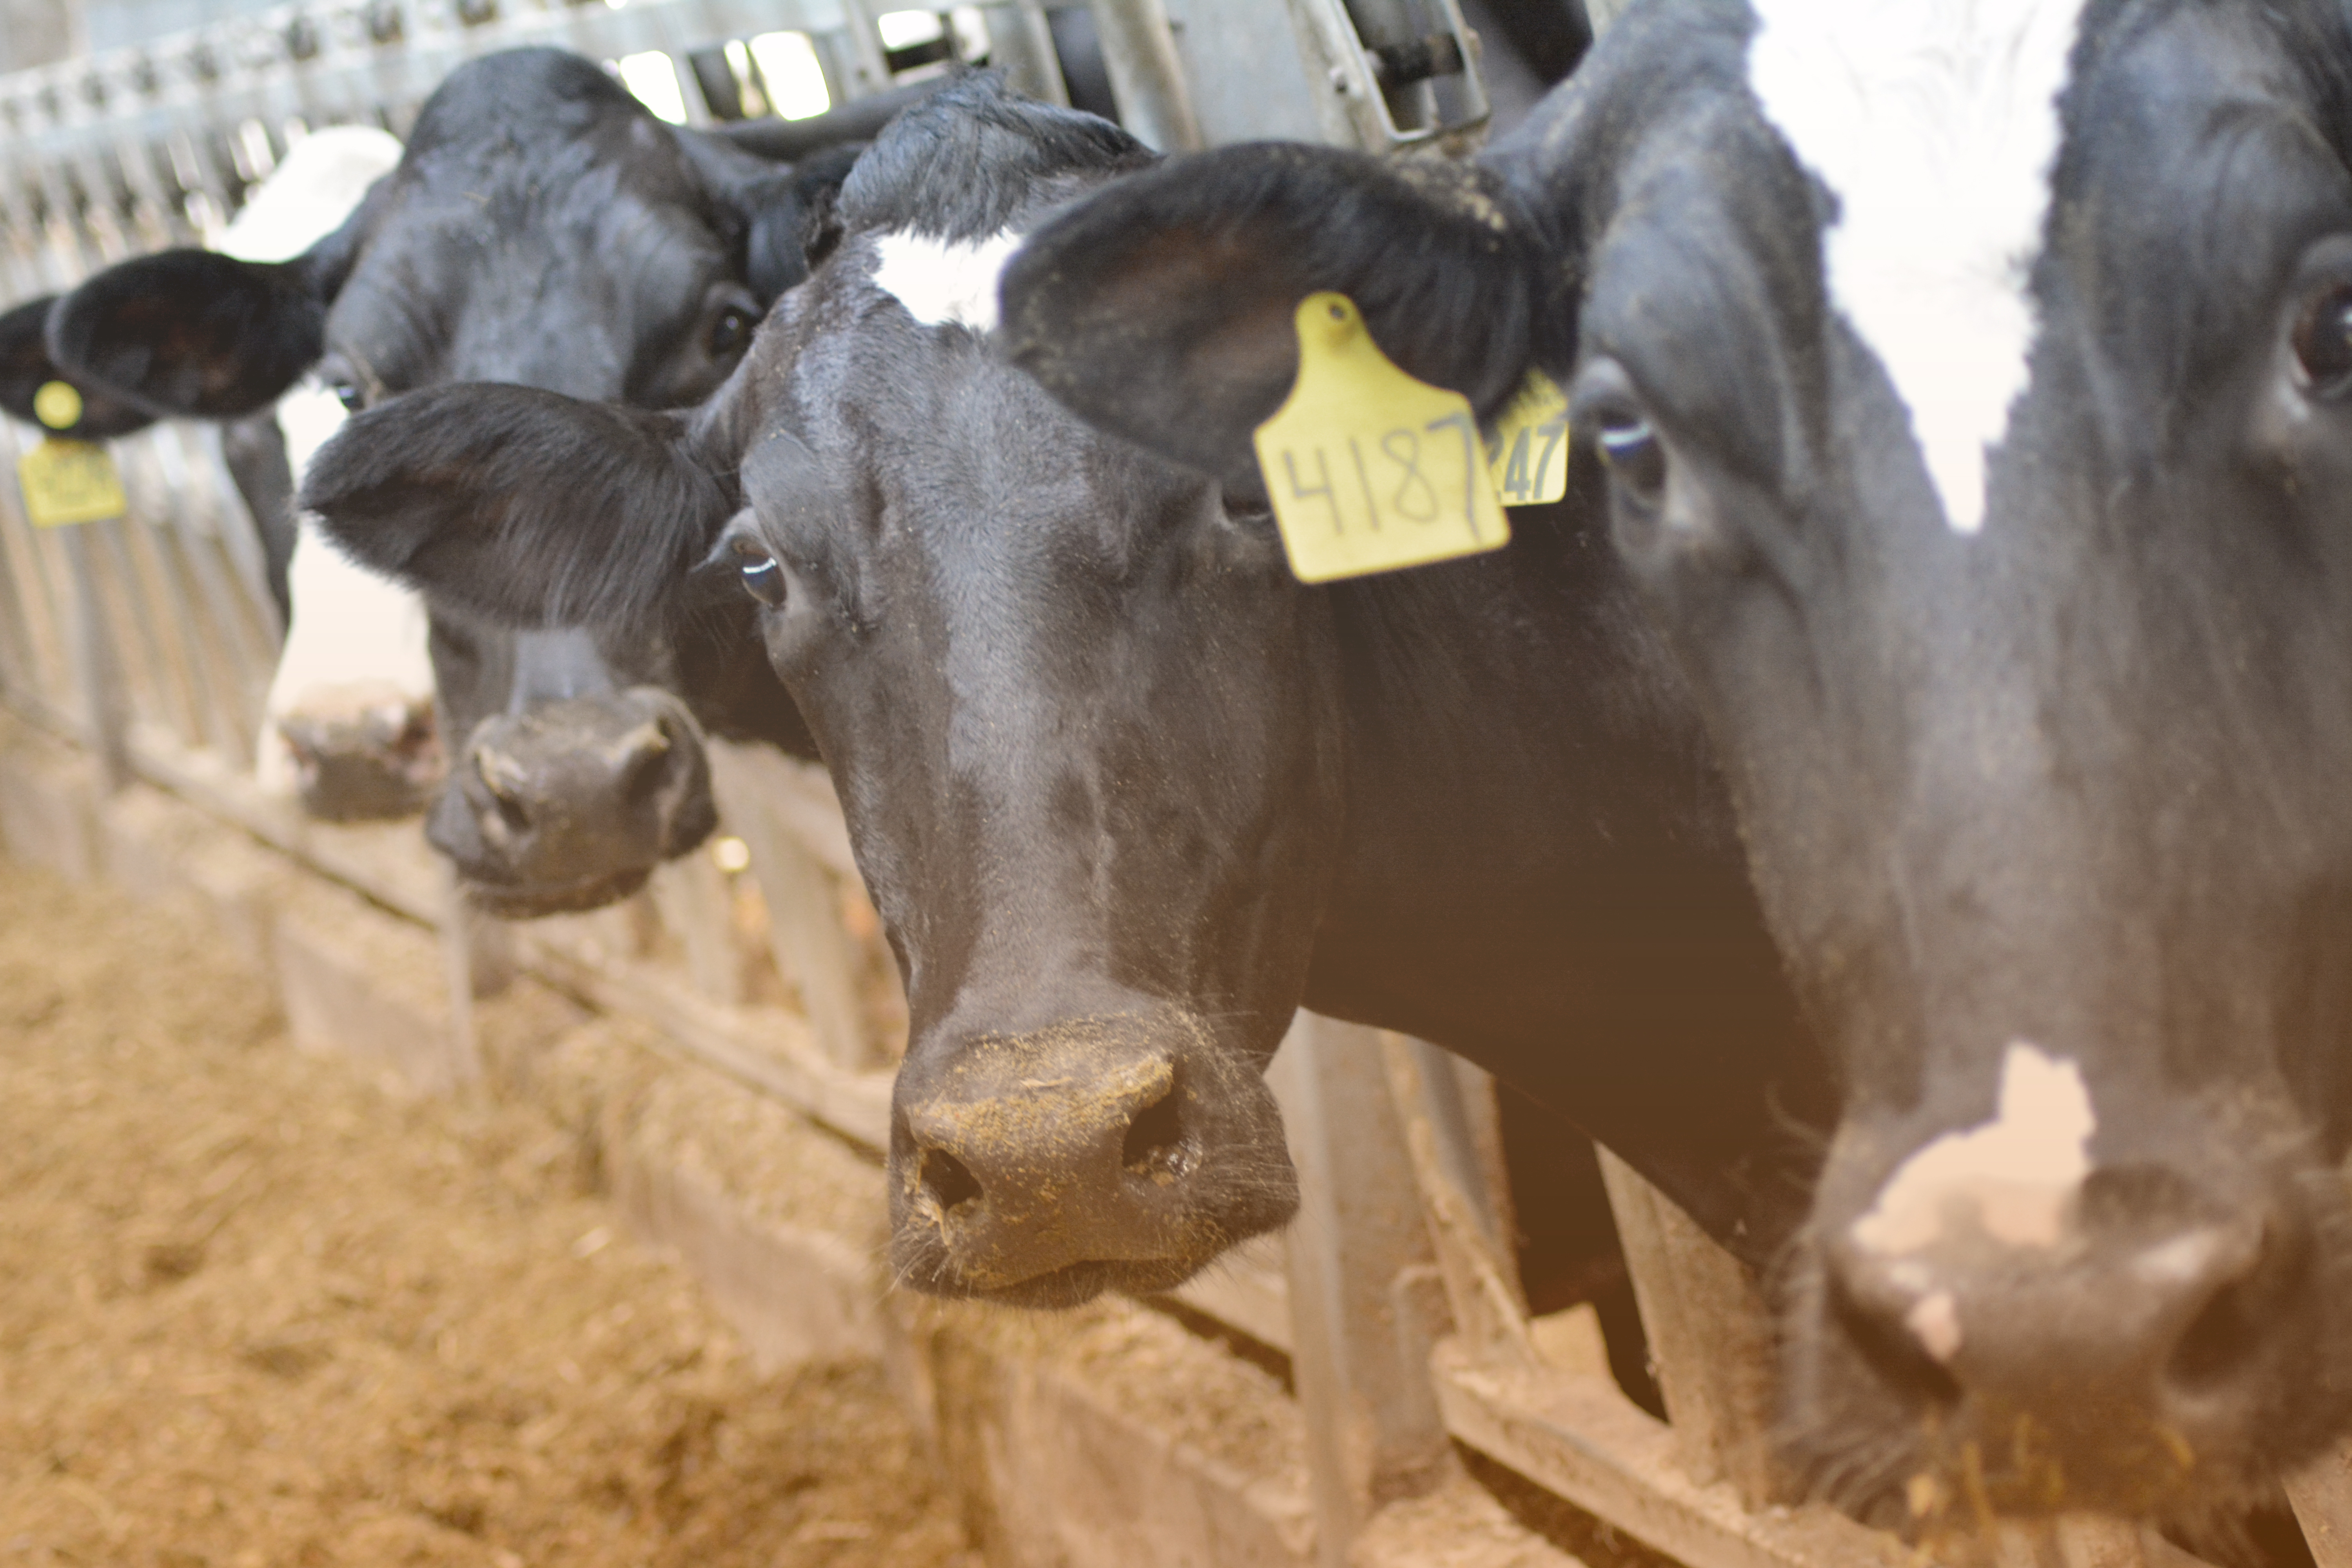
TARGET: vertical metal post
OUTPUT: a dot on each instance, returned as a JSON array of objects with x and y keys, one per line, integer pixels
[
  {"x": 1020, "y": 41},
  {"x": 1709, "y": 1331},
  {"x": 1367, "y": 1300},
  {"x": 104, "y": 713},
  {"x": 1146, "y": 76}
]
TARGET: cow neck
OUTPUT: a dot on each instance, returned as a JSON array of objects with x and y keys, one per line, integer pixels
[{"x": 1538, "y": 870}]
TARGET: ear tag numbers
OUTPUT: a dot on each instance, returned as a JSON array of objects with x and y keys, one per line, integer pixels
[
  {"x": 67, "y": 481},
  {"x": 1370, "y": 470},
  {"x": 1527, "y": 454}
]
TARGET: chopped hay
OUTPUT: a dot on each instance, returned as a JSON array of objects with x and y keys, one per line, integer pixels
[{"x": 257, "y": 1313}]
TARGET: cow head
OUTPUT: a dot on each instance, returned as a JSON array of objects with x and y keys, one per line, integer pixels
[
  {"x": 540, "y": 229},
  {"x": 1975, "y": 386},
  {"x": 1099, "y": 870}
]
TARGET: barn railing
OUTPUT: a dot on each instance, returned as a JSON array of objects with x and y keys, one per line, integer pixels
[{"x": 1395, "y": 1298}]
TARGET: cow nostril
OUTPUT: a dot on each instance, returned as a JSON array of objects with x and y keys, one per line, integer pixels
[
  {"x": 502, "y": 780},
  {"x": 2221, "y": 1340},
  {"x": 2229, "y": 1330},
  {"x": 1154, "y": 1139},
  {"x": 1891, "y": 1349},
  {"x": 643, "y": 755},
  {"x": 947, "y": 1179}
]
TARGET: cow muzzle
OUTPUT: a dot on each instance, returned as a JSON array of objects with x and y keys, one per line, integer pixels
[
  {"x": 2157, "y": 1338},
  {"x": 572, "y": 805},
  {"x": 1112, "y": 1153},
  {"x": 363, "y": 751}
]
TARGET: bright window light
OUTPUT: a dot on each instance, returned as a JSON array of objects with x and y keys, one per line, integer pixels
[
  {"x": 970, "y": 31},
  {"x": 654, "y": 79},
  {"x": 905, "y": 29},
  {"x": 747, "y": 80},
  {"x": 788, "y": 64}
]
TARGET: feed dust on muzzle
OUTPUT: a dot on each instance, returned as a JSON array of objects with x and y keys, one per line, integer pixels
[{"x": 255, "y": 1312}]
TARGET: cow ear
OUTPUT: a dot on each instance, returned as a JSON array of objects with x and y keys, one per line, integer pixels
[
  {"x": 193, "y": 332},
  {"x": 529, "y": 507},
  {"x": 796, "y": 220},
  {"x": 1162, "y": 307},
  {"x": 198, "y": 334},
  {"x": 25, "y": 367}
]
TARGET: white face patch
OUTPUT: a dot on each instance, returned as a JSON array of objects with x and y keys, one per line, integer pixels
[
  {"x": 1935, "y": 124},
  {"x": 939, "y": 281},
  {"x": 351, "y": 629},
  {"x": 2014, "y": 1175}
]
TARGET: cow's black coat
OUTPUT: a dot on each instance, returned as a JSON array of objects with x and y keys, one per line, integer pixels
[
  {"x": 1102, "y": 756},
  {"x": 2074, "y": 782}
]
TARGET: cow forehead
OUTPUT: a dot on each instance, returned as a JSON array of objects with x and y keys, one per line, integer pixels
[{"x": 1935, "y": 128}]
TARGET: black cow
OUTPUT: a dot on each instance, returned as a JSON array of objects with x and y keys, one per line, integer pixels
[
  {"x": 1976, "y": 389},
  {"x": 1124, "y": 792},
  {"x": 542, "y": 228}
]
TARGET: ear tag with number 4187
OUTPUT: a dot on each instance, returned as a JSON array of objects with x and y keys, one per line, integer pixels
[
  {"x": 1370, "y": 470},
  {"x": 1528, "y": 454},
  {"x": 67, "y": 481}
]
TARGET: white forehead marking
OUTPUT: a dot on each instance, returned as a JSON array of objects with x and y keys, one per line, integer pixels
[
  {"x": 2017, "y": 1172},
  {"x": 941, "y": 281},
  {"x": 1935, "y": 123}
]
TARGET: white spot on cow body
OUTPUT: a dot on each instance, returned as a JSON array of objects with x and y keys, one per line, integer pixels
[
  {"x": 1935, "y": 1322},
  {"x": 1935, "y": 124},
  {"x": 2016, "y": 1175},
  {"x": 307, "y": 196},
  {"x": 354, "y": 636},
  {"x": 944, "y": 280},
  {"x": 352, "y": 630}
]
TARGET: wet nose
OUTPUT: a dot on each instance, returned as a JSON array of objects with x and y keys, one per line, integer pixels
[
  {"x": 2147, "y": 1305},
  {"x": 586, "y": 793},
  {"x": 1095, "y": 1143}
]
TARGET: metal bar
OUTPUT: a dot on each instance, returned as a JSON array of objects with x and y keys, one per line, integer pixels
[
  {"x": 1146, "y": 77},
  {"x": 1021, "y": 43},
  {"x": 1367, "y": 1300},
  {"x": 104, "y": 714}
]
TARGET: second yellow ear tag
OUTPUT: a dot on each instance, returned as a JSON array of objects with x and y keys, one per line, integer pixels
[
  {"x": 67, "y": 482},
  {"x": 1527, "y": 457},
  {"x": 1370, "y": 470}
]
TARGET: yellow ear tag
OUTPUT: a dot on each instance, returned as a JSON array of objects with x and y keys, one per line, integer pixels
[
  {"x": 1528, "y": 454},
  {"x": 1370, "y": 470},
  {"x": 67, "y": 481}
]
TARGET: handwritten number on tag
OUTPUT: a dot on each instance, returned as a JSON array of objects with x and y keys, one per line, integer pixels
[{"x": 1360, "y": 464}]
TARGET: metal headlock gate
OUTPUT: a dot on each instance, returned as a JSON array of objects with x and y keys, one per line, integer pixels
[{"x": 149, "y": 641}]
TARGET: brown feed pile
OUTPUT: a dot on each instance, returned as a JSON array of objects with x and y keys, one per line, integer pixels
[{"x": 253, "y": 1313}]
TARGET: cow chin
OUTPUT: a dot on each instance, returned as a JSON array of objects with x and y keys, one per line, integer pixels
[
  {"x": 532, "y": 901},
  {"x": 930, "y": 1270}
]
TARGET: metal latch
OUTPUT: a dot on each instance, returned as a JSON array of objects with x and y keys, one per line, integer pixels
[{"x": 1405, "y": 70}]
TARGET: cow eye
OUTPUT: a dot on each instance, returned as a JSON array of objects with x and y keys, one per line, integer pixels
[
  {"x": 731, "y": 330},
  {"x": 2323, "y": 344},
  {"x": 763, "y": 577},
  {"x": 348, "y": 395},
  {"x": 1636, "y": 460}
]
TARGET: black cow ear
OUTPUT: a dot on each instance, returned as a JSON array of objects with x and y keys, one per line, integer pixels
[
  {"x": 794, "y": 220},
  {"x": 1163, "y": 308},
  {"x": 193, "y": 332},
  {"x": 524, "y": 506},
  {"x": 25, "y": 367},
  {"x": 197, "y": 334}
]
